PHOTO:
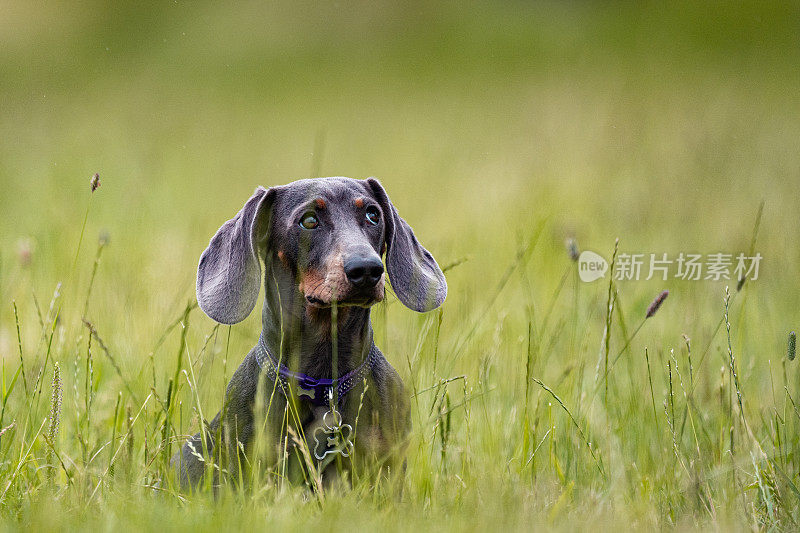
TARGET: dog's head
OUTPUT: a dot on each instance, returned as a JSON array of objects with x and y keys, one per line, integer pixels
[{"x": 328, "y": 235}]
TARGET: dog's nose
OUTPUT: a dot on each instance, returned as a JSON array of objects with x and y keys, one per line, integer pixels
[{"x": 363, "y": 272}]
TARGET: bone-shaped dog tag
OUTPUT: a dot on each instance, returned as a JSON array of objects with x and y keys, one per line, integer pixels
[
  {"x": 332, "y": 437},
  {"x": 310, "y": 393}
]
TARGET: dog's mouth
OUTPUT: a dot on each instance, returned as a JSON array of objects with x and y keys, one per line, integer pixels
[
  {"x": 365, "y": 302},
  {"x": 316, "y": 302},
  {"x": 356, "y": 300}
]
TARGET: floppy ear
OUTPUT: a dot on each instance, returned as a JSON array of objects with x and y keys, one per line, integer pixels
[
  {"x": 229, "y": 273},
  {"x": 416, "y": 278}
]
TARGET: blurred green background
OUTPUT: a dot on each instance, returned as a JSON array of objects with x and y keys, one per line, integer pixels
[{"x": 663, "y": 124}]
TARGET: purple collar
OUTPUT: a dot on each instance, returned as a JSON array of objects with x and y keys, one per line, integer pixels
[{"x": 316, "y": 391}]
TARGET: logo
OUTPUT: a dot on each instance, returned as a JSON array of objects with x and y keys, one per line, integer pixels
[
  {"x": 685, "y": 266},
  {"x": 591, "y": 266}
]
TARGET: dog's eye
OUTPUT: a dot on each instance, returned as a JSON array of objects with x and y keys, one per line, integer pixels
[
  {"x": 373, "y": 215},
  {"x": 309, "y": 221}
]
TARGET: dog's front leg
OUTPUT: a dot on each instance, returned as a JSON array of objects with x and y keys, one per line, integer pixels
[{"x": 194, "y": 457}]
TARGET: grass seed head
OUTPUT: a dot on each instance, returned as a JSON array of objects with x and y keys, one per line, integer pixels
[
  {"x": 656, "y": 304},
  {"x": 94, "y": 183},
  {"x": 55, "y": 415},
  {"x": 791, "y": 351},
  {"x": 55, "y": 403}
]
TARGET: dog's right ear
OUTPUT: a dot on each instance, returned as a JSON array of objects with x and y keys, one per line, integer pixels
[{"x": 229, "y": 273}]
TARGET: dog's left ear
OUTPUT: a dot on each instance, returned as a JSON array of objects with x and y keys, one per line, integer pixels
[
  {"x": 229, "y": 273},
  {"x": 416, "y": 278}
]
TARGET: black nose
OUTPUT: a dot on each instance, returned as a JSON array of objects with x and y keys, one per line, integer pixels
[{"x": 363, "y": 272}]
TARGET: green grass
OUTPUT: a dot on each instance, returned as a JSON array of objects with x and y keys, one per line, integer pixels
[{"x": 499, "y": 130}]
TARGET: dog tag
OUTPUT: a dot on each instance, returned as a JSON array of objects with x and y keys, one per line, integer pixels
[
  {"x": 332, "y": 436},
  {"x": 310, "y": 393}
]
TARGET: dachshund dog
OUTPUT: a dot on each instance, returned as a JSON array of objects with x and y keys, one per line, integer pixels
[{"x": 315, "y": 373}]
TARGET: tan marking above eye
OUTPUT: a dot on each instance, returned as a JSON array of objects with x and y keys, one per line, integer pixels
[
  {"x": 320, "y": 203},
  {"x": 359, "y": 202}
]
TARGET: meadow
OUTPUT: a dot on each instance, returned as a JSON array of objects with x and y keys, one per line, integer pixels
[{"x": 501, "y": 130}]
